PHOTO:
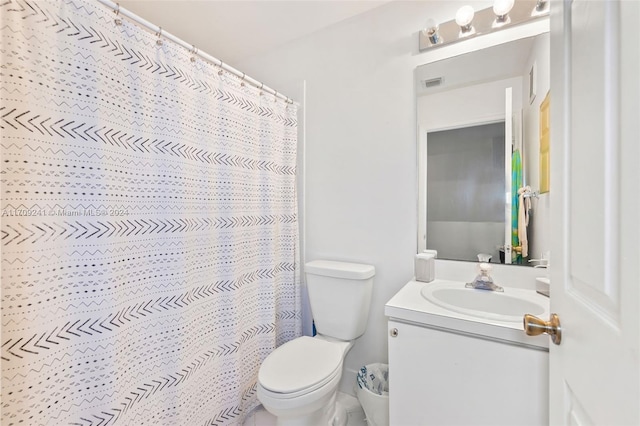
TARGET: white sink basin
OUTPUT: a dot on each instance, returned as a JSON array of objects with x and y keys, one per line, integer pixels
[{"x": 508, "y": 306}]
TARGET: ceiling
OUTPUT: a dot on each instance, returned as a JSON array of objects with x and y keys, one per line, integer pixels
[
  {"x": 493, "y": 63},
  {"x": 235, "y": 30}
]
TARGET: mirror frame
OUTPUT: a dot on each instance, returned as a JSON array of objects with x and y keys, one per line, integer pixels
[{"x": 531, "y": 29}]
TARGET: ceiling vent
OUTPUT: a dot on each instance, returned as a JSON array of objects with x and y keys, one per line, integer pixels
[{"x": 434, "y": 82}]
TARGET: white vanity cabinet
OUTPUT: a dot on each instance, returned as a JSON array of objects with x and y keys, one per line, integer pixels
[{"x": 454, "y": 370}]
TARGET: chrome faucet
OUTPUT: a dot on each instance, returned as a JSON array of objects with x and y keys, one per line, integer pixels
[{"x": 483, "y": 280}]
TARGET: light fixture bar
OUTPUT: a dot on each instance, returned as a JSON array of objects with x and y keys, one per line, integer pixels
[{"x": 485, "y": 21}]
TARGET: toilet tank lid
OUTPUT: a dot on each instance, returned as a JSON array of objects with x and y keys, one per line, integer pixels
[{"x": 332, "y": 268}]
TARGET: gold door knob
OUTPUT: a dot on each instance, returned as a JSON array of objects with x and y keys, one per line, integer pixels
[{"x": 534, "y": 326}]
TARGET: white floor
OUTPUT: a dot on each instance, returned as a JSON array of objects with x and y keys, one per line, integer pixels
[{"x": 260, "y": 416}]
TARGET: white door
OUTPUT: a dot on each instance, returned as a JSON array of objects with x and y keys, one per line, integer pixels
[{"x": 595, "y": 186}]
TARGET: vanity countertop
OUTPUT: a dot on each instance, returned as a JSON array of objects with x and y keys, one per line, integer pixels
[{"x": 408, "y": 305}]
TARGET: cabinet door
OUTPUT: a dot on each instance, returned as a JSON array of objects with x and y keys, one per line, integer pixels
[
  {"x": 442, "y": 378},
  {"x": 407, "y": 352}
]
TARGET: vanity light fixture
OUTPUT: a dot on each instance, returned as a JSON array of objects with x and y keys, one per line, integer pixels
[
  {"x": 469, "y": 23},
  {"x": 464, "y": 18},
  {"x": 502, "y": 8},
  {"x": 431, "y": 31}
]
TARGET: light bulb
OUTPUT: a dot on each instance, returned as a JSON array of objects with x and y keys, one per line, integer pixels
[
  {"x": 431, "y": 26},
  {"x": 542, "y": 8},
  {"x": 502, "y": 7},
  {"x": 431, "y": 31},
  {"x": 464, "y": 17}
]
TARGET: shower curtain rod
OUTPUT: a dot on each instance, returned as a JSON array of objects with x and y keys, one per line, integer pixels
[{"x": 161, "y": 33}]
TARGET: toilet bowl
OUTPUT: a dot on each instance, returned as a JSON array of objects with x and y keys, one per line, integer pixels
[{"x": 298, "y": 381}]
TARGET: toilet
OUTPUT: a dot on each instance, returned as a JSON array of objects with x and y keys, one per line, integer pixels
[{"x": 298, "y": 382}]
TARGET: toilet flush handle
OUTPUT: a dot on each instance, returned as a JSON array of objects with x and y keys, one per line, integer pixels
[{"x": 393, "y": 332}]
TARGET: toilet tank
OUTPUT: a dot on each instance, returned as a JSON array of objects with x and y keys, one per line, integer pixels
[{"x": 340, "y": 296}]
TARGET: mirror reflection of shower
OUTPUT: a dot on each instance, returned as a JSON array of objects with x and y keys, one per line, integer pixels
[{"x": 466, "y": 191}]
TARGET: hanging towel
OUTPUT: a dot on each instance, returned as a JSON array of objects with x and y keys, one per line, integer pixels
[
  {"x": 524, "y": 204},
  {"x": 516, "y": 183}
]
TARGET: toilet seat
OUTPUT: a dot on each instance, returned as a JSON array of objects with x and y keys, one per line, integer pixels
[{"x": 300, "y": 366}]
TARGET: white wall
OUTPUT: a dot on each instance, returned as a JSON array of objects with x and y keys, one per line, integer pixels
[
  {"x": 360, "y": 136},
  {"x": 468, "y": 105}
]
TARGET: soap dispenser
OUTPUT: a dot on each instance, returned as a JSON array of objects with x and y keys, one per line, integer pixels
[{"x": 483, "y": 280}]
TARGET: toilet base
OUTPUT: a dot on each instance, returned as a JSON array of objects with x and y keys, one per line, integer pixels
[
  {"x": 319, "y": 407},
  {"x": 341, "y": 416},
  {"x": 324, "y": 415}
]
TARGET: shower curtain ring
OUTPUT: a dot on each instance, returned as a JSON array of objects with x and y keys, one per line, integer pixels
[
  {"x": 117, "y": 20},
  {"x": 261, "y": 86},
  {"x": 194, "y": 52},
  {"x": 221, "y": 70},
  {"x": 159, "y": 34},
  {"x": 275, "y": 96},
  {"x": 242, "y": 80}
]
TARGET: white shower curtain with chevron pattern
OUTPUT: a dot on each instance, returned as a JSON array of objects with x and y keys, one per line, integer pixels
[{"x": 149, "y": 229}]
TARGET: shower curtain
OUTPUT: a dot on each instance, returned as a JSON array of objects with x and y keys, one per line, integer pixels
[{"x": 149, "y": 229}]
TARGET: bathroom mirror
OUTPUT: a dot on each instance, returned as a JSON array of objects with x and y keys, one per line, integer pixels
[{"x": 478, "y": 117}]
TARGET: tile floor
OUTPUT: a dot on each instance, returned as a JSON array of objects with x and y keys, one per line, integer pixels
[{"x": 260, "y": 416}]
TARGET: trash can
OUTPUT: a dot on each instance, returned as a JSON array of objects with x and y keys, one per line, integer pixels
[{"x": 373, "y": 393}]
